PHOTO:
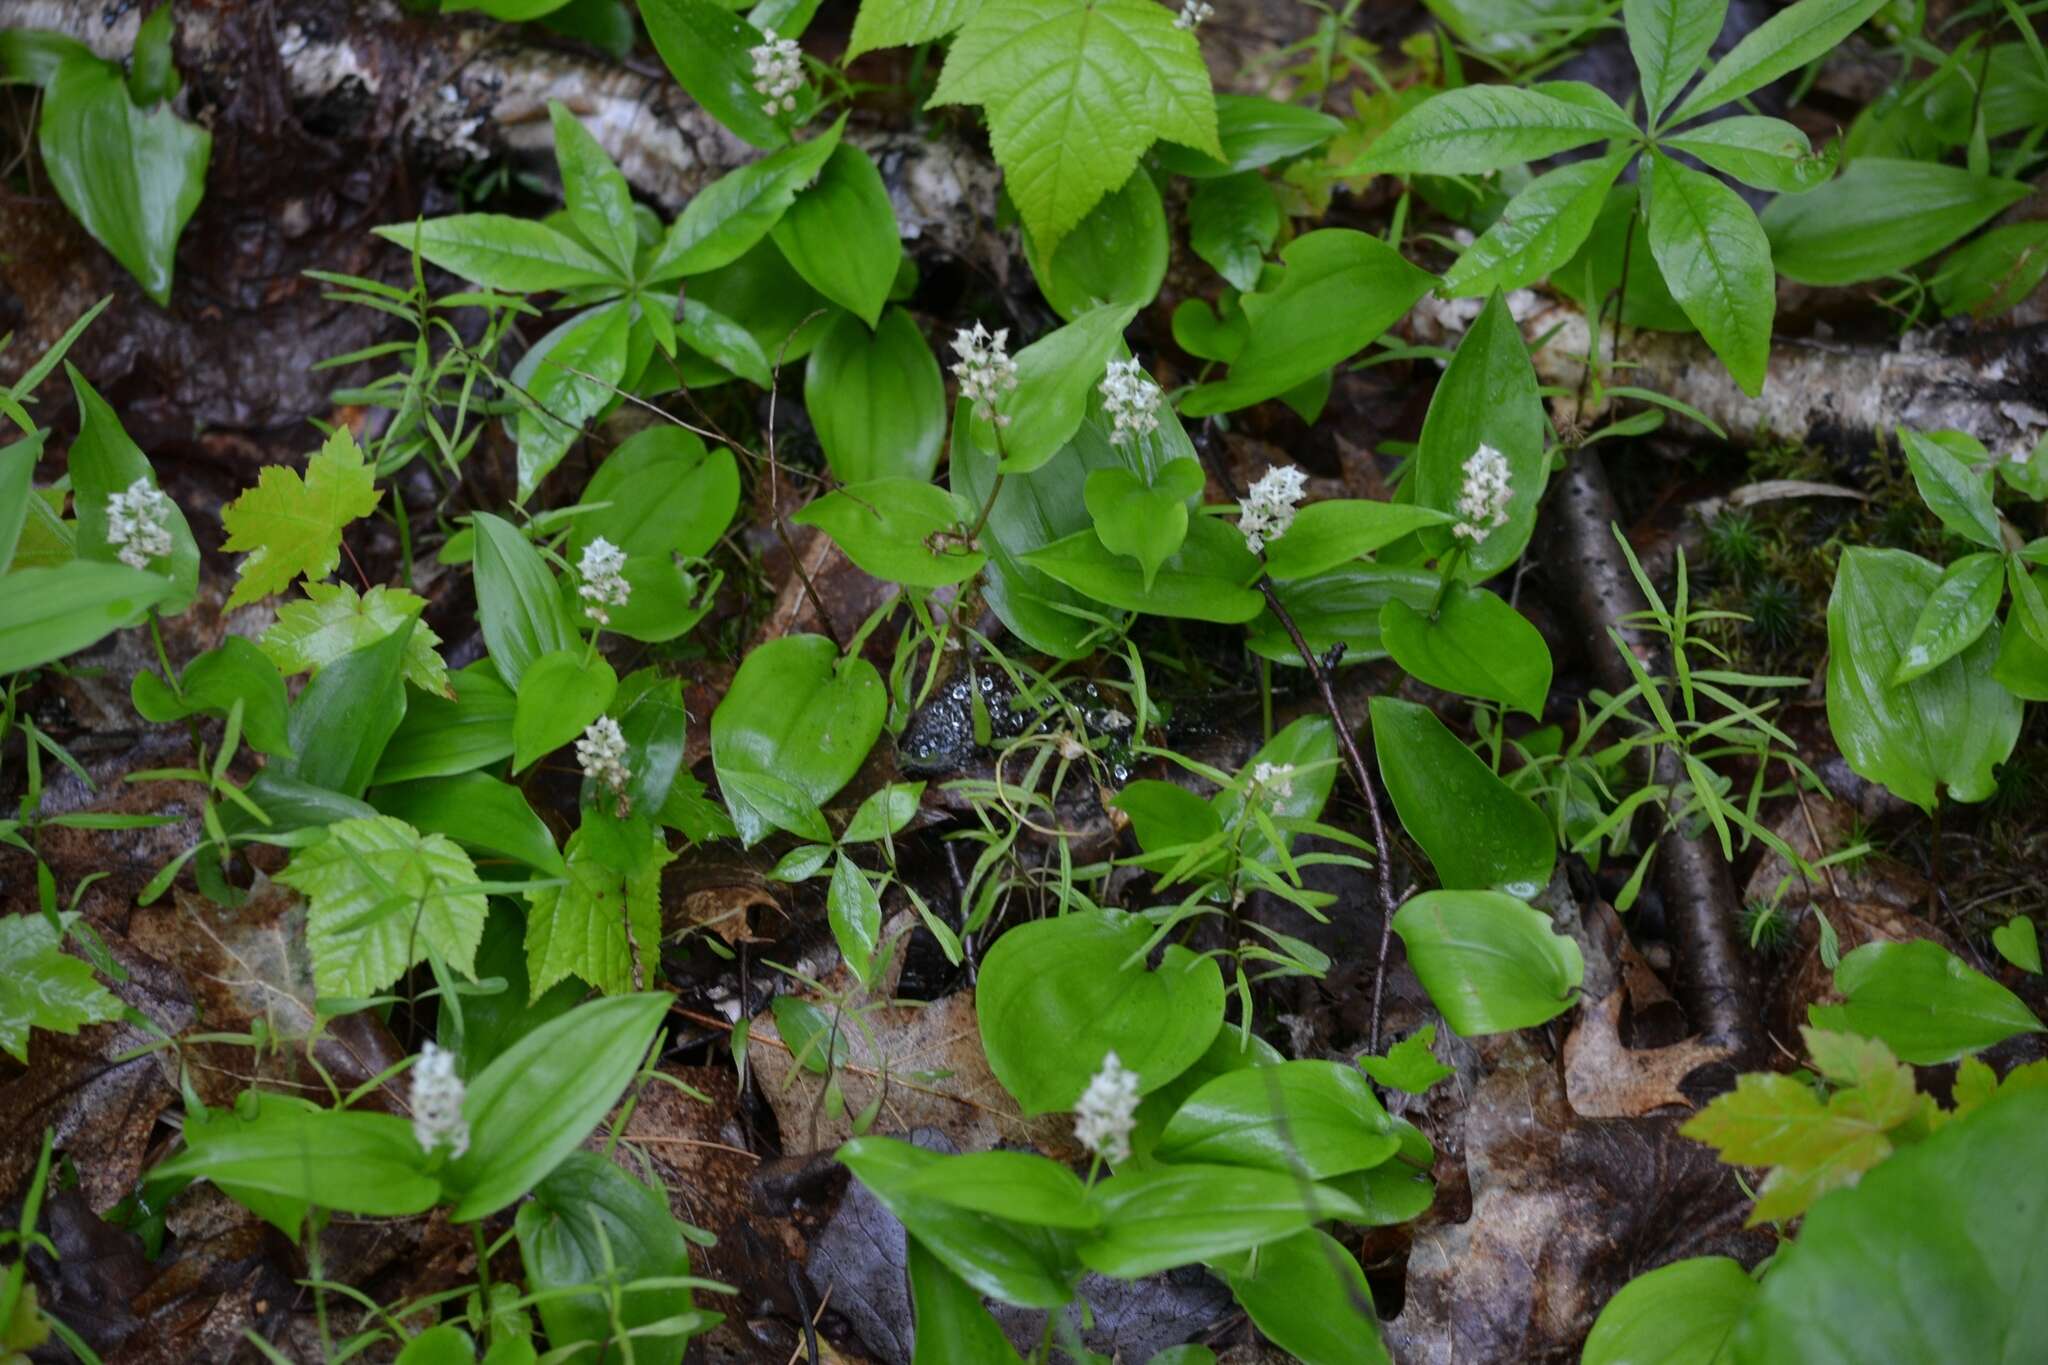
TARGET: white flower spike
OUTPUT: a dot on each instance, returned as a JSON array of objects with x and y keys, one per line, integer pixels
[
  {"x": 437, "y": 1094},
  {"x": 602, "y": 753},
  {"x": 1131, "y": 400},
  {"x": 1267, "y": 511},
  {"x": 1107, "y": 1110},
  {"x": 1483, "y": 501},
  {"x": 602, "y": 569},
  {"x": 778, "y": 72},
  {"x": 985, "y": 370},
  {"x": 138, "y": 522},
  {"x": 1276, "y": 779},
  {"x": 1194, "y": 13}
]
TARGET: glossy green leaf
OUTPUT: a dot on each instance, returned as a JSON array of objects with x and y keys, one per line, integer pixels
[
  {"x": 519, "y": 605},
  {"x": 1994, "y": 273},
  {"x": 1477, "y": 646},
  {"x": 1305, "y": 753},
  {"x": 952, "y": 1324},
  {"x": 1164, "y": 1216},
  {"x": 1114, "y": 256},
  {"x": 478, "y": 811},
  {"x": 1948, "y": 728},
  {"x": 599, "y": 203},
  {"x": 665, "y": 492},
  {"x": 1204, "y": 579},
  {"x": 47, "y": 614},
  {"x": 439, "y": 738},
  {"x": 1312, "y": 1117},
  {"x": 1479, "y": 833},
  {"x": 1409, "y": 1065},
  {"x": 1232, "y": 223},
  {"x": 655, "y": 725},
  {"x": 498, "y": 251},
  {"x": 1487, "y": 397},
  {"x": 798, "y": 713},
  {"x": 1074, "y": 92},
  {"x": 840, "y": 234},
  {"x": 1055, "y": 996},
  {"x": 1940, "y": 1253},
  {"x": 1339, "y": 530},
  {"x": 1057, "y": 375},
  {"x": 104, "y": 461},
  {"x": 1952, "y": 489},
  {"x": 592, "y": 1228},
  {"x": 345, "y": 1160},
  {"x": 1539, "y": 229},
  {"x": 559, "y": 695},
  {"x": 544, "y": 1095},
  {"x": 1669, "y": 40},
  {"x": 854, "y": 909},
  {"x": 1307, "y": 1295},
  {"x": 1296, "y": 334},
  {"x": 704, "y": 45},
  {"x": 1957, "y": 613},
  {"x": 1767, "y": 153},
  {"x": 897, "y": 529},
  {"x": 877, "y": 399},
  {"x": 1880, "y": 216},
  {"x": 1020, "y": 1186},
  {"x": 1716, "y": 259},
  {"x": 1488, "y": 961},
  {"x": 1029, "y": 1266},
  {"x": 2019, "y": 943},
  {"x": 211, "y": 684},
  {"x": 735, "y": 212},
  {"x": 1783, "y": 43},
  {"x": 381, "y": 896},
  {"x": 1479, "y": 128},
  {"x": 132, "y": 177},
  {"x": 1252, "y": 131},
  {"x": 1922, "y": 1002},
  {"x": 17, "y": 472},
  {"x": 1677, "y": 1314},
  {"x": 341, "y": 721},
  {"x": 1339, "y": 606},
  {"x": 1148, "y": 522},
  {"x": 569, "y": 376}
]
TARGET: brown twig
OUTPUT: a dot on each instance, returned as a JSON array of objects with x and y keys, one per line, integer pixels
[{"x": 1361, "y": 776}]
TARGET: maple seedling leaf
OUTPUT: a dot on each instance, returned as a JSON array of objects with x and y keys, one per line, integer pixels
[
  {"x": 291, "y": 525},
  {"x": 42, "y": 986},
  {"x": 334, "y": 622}
]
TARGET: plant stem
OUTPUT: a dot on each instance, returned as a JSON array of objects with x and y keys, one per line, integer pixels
[{"x": 1361, "y": 776}]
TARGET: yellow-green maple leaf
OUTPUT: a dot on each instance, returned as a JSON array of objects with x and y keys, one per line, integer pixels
[
  {"x": 291, "y": 525},
  {"x": 602, "y": 926},
  {"x": 334, "y": 621}
]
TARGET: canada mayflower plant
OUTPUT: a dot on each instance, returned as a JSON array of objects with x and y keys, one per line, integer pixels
[
  {"x": 602, "y": 569},
  {"x": 138, "y": 524},
  {"x": 778, "y": 72},
  {"x": 436, "y": 1099},
  {"x": 985, "y": 371},
  {"x": 1265, "y": 513},
  {"x": 1130, "y": 400},
  {"x": 1107, "y": 1111},
  {"x": 602, "y": 754},
  {"x": 1484, "y": 499}
]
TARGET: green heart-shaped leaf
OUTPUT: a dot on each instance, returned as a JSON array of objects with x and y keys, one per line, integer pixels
[
  {"x": 559, "y": 695},
  {"x": 1146, "y": 522}
]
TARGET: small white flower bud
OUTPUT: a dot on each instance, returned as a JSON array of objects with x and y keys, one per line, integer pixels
[
  {"x": 602, "y": 754},
  {"x": 604, "y": 584},
  {"x": 1194, "y": 13},
  {"x": 1131, "y": 400},
  {"x": 138, "y": 523},
  {"x": 1107, "y": 1111},
  {"x": 778, "y": 72},
  {"x": 437, "y": 1094},
  {"x": 1277, "y": 779},
  {"x": 1267, "y": 511},
  {"x": 1483, "y": 501},
  {"x": 985, "y": 370}
]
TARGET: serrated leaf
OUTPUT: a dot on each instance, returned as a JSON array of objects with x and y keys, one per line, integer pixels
[
  {"x": 334, "y": 620},
  {"x": 904, "y": 23},
  {"x": 1075, "y": 91},
  {"x": 604, "y": 927},
  {"x": 291, "y": 525},
  {"x": 380, "y": 896},
  {"x": 42, "y": 986}
]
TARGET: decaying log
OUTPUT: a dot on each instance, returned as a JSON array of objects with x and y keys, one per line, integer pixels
[{"x": 1716, "y": 981}]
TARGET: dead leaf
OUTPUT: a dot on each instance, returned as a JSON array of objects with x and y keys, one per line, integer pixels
[{"x": 1604, "y": 1080}]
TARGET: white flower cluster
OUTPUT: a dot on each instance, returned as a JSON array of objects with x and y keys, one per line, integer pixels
[
  {"x": 437, "y": 1103},
  {"x": 1194, "y": 13},
  {"x": 1483, "y": 501},
  {"x": 1107, "y": 1110},
  {"x": 1131, "y": 399},
  {"x": 1277, "y": 779},
  {"x": 778, "y": 72},
  {"x": 1267, "y": 511},
  {"x": 602, "y": 752},
  {"x": 138, "y": 521},
  {"x": 604, "y": 582},
  {"x": 985, "y": 370}
]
